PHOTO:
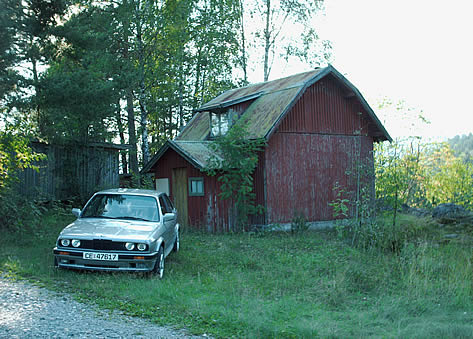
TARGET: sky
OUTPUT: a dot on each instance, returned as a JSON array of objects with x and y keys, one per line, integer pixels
[{"x": 417, "y": 51}]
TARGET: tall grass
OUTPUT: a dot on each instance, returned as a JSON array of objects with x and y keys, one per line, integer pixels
[{"x": 299, "y": 285}]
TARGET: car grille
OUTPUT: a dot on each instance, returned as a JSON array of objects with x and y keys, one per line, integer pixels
[{"x": 103, "y": 245}]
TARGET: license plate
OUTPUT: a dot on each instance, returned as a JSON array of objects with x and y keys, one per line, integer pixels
[{"x": 100, "y": 256}]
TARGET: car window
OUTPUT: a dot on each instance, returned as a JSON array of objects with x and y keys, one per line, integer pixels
[
  {"x": 165, "y": 208},
  {"x": 169, "y": 202},
  {"x": 122, "y": 206}
]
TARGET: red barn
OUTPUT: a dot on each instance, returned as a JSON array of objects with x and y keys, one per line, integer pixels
[{"x": 316, "y": 125}]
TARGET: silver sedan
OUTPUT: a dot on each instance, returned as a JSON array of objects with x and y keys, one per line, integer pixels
[{"x": 120, "y": 230}]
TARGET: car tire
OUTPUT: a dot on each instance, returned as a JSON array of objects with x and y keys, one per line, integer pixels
[
  {"x": 177, "y": 243},
  {"x": 159, "y": 265},
  {"x": 55, "y": 263}
]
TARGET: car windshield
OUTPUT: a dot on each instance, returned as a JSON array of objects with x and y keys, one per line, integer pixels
[{"x": 122, "y": 206}]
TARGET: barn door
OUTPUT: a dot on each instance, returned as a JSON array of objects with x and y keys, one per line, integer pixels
[{"x": 179, "y": 193}]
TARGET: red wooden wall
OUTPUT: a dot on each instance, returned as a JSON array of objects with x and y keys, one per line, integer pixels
[
  {"x": 321, "y": 139},
  {"x": 206, "y": 212}
]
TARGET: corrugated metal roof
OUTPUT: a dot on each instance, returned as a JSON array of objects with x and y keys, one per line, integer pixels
[
  {"x": 263, "y": 114},
  {"x": 272, "y": 100},
  {"x": 234, "y": 95},
  {"x": 199, "y": 152},
  {"x": 196, "y": 129}
]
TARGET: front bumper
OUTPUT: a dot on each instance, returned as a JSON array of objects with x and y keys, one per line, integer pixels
[{"x": 127, "y": 262}]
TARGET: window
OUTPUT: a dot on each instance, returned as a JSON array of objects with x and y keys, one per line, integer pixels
[
  {"x": 165, "y": 208},
  {"x": 221, "y": 122},
  {"x": 196, "y": 187},
  {"x": 168, "y": 201},
  {"x": 162, "y": 185}
]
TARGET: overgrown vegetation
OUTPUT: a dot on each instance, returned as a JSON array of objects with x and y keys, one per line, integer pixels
[
  {"x": 421, "y": 174},
  {"x": 274, "y": 284},
  {"x": 234, "y": 162},
  {"x": 15, "y": 155}
]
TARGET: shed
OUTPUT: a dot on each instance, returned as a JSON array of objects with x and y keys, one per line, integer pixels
[
  {"x": 71, "y": 171},
  {"x": 317, "y": 126}
]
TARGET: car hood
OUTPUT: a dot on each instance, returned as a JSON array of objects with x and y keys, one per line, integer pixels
[{"x": 97, "y": 228}]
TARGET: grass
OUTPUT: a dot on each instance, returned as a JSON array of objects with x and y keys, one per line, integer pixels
[{"x": 301, "y": 285}]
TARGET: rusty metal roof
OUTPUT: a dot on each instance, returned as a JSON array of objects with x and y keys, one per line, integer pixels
[
  {"x": 198, "y": 153},
  {"x": 196, "y": 129},
  {"x": 269, "y": 102},
  {"x": 237, "y": 95}
]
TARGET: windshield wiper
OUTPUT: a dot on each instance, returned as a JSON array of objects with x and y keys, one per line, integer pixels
[
  {"x": 99, "y": 216},
  {"x": 132, "y": 218}
]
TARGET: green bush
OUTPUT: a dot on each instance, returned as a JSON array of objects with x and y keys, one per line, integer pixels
[
  {"x": 380, "y": 233},
  {"x": 16, "y": 212}
]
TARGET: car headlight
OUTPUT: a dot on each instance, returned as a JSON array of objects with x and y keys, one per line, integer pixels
[
  {"x": 141, "y": 247},
  {"x": 129, "y": 246},
  {"x": 65, "y": 242},
  {"x": 75, "y": 243}
]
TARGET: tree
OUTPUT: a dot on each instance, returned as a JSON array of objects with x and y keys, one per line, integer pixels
[
  {"x": 195, "y": 46},
  {"x": 79, "y": 90},
  {"x": 234, "y": 162},
  {"x": 277, "y": 40},
  {"x": 27, "y": 31}
]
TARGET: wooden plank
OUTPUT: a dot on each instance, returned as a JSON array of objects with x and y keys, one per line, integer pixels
[{"x": 179, "y": 192}]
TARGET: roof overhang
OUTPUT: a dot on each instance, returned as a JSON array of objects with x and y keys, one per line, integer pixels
[
  {"x": 225, "y": 104},
  {"x": 197, "y": 153}
]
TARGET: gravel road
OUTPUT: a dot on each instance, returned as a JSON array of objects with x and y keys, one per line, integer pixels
[{"x": 28, "y": 311}]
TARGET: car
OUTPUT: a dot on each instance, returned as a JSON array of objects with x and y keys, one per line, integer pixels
[{"x": 120, "y": 230}]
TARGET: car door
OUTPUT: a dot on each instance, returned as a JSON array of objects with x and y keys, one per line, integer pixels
[{"x": 168, "y": 224}]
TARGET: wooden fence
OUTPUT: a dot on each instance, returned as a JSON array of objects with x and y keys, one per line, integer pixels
[{"x": 72, "y": 171}]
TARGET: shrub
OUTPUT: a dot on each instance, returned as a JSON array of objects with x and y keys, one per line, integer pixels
[{"x": 299, "y": 223}]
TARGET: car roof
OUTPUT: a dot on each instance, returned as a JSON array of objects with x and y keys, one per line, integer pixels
[{"x": 132, "y": 191}]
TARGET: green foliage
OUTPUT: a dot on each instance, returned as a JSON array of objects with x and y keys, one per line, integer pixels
[
  {"x": 15, "y": 155},
  {"x": 421, "y": 175},
  {"x": 462, "y": 147},
  {"x": 299, "y": 223},
  {"x": 234, "y": 162},
  {"x": 340, "y": 203},
  {"x": 448, "y": 179}
]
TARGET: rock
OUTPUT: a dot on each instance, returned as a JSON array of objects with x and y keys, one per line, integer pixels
[
  {"x": 450, "y": 213},
  {"x": 418, "y": 212}
]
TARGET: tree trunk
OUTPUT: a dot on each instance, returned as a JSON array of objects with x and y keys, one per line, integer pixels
[
  {"x": 243, "y": 46},
  {"x": 133, "y": 154},
  {"x": 267, "y": 40},
  {"x": 122, "y": 138},
  {"x": 142, "y": 95}
]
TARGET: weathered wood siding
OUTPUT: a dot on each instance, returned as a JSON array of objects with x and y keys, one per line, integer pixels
[
  {"x": 302, "y": 170},
  {"x": 70, "y": 172},
  {"x": 324, "y": 108},
  {"x": 208, "y": 212},
  {"x": 323, "y": 137}
]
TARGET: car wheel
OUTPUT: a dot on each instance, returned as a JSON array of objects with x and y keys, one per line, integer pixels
[
  {"x": 177, "y": 244},
  {"x": 159, "y": 265},
  {"x": 55, "y": 263}
]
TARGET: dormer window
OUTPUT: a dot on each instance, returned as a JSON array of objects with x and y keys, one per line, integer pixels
[{"x": 220, "y": 122}]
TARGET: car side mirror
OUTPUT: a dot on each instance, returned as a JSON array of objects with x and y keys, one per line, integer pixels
[
  {"x": 168, "y": 217},
  {"x": 76, "y": 212}
]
